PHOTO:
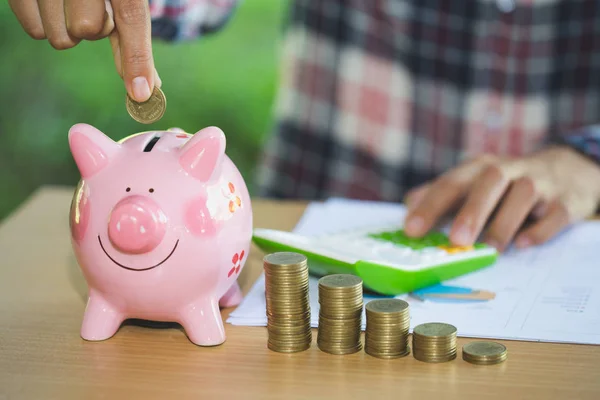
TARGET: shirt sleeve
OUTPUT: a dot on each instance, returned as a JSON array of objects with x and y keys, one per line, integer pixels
[
  {"x": 585, "y": 141},
  {"x": 181, "y": 20}
]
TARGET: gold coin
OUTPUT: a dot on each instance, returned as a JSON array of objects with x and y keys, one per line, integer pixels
[
  {"x": 284, "y": 259},
  {"x": 288, "y": 349},
  {"x": 434, "y": 330},
  {"x": 148, "y": 111},
  {"x": 484, "y": 353},
  {"x": 386, "y": 306},
  {"x": 340, "y": 281},
  {"x": 396, "y": 353}
]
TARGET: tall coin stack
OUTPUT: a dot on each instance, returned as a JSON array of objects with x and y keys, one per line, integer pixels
[
  {"x": 434, "y": 342},
  {"x": 288, "y": 307},
  {"x": 388, "y": 321},
  {"x": 340, "y": 314}
]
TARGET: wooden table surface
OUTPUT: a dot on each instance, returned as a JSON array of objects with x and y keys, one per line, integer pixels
[{"x": 42, "y": 298}]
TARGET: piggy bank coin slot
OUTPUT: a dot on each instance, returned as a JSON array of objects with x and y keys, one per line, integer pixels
[{"x": 151, "y": 144}]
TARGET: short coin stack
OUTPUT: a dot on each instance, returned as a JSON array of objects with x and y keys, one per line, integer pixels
[
  {"x": 388, "y": 321},
  {"x": 288, "y": 307},
  {"x": 484, "y": 353},
  {"x": 340, "y": 314},
  {"x": 434, "y": 342}
]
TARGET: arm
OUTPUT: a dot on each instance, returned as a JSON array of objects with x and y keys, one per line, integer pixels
[
  {"x": 586, "y": 141},
  {"x": 179, "y": 20}
]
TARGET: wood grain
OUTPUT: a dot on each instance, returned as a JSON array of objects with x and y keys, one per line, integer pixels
[{"x": 42, "y": 294}]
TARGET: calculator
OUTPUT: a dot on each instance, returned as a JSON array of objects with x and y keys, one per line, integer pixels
[{"x": 388, "y": 261}]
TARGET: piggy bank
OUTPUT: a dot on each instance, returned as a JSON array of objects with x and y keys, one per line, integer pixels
[{"x": 161, "y": 225}]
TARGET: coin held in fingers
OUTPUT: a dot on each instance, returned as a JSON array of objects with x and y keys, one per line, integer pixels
[{"x": 149, "y": 111}]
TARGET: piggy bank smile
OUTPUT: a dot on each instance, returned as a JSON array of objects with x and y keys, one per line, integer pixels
[{"x": 137, "y": 269}]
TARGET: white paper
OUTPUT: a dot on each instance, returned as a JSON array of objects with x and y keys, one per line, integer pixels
[{"x": 549, "y": 293}]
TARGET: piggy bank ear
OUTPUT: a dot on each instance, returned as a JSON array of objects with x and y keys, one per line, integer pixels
[
  {"x": 203, "y": 153},
  {"x": 91, "y": 149}
]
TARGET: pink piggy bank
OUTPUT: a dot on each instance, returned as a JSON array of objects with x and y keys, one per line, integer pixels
[{"x": 161, "y": 225}]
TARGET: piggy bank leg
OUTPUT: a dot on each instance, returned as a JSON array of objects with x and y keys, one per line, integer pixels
[
  {"x": 232, "y": 297},
  {"x": 203, "y": 323},
  {"x": 101, "y": 320}
]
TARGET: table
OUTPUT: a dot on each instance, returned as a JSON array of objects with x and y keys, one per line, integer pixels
[{"x": 42, "y": 298}]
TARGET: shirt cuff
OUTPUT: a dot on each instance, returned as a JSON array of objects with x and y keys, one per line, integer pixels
[
  {"x": 182, "y": 20},
  {"x": 586, "y": 141}
]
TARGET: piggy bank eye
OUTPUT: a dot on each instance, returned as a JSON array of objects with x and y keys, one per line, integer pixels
[
  {"x": 151, "y": 190},
  {"x": 128, "y": 189}
]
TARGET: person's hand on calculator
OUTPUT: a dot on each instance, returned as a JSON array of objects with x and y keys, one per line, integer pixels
[
  {"x": 65, "y": 23},
  {"x": 496, "y": 196}
]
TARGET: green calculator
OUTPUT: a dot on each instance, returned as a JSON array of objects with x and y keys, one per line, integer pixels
[{"x": 388, "y": 261}]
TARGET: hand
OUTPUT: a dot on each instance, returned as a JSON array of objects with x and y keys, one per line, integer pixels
[
  {"x": 65, "y": 23},
  {"x": 555, "y": 187}
]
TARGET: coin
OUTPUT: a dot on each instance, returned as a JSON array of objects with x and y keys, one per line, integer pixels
[
  {"x": 285, "y": 259},
  {"x": 149, "y": 111},
  {"x": 386, "y": 306},
  {"x": 339, "y": 282},
  {"x": 340, "y": 314},
  {"x": 484, "y": 353},
  {"x": 434, "y": 342},
  {"x": 288, "y": 305},
  {"x": 435, "y": 329}
]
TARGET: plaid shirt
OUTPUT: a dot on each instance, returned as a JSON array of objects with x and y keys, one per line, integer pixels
[{"x": 378, "y": 96}]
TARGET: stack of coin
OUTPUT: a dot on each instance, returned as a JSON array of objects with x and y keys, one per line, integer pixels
[
  {"x": 386, "y": 335},
  {"x": 148, "y": 111},
  {"x": 484, "y": 353},
  {"x": 434, "y": 342},
  {"x": 340, "y": 314},
  {"x": 288, "y": 306}
]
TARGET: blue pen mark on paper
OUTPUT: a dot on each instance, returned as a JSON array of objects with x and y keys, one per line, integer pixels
[{"x": 452, "y": 294}]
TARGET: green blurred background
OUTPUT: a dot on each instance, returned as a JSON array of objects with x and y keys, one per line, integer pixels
[{"x": 227, "y": 79}]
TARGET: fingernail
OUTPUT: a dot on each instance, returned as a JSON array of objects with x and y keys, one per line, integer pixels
[
  {"x": 462, "y": 235},
  {"x": 141, "y": 89},
  {"x": 414, "y": 224},
  {"x": 523, "y": 242}
]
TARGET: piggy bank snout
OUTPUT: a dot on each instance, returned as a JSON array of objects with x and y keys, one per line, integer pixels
[{"x": 136, "y": 225}]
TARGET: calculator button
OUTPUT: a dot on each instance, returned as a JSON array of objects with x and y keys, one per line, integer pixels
[
  {"x": 398, "y": 256},
  {"x": 455, "y": 249},
  {"x": 431, "y": 254}
]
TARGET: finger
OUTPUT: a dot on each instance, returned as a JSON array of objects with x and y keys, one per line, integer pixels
[
  {"x": 84, "y": 19},
  {"x": 481, "y": 201},
  {"x": 109, "y": 20},
  {"x": 53, "y": 20},
  {"x": 441, "y": 197},
  {"x": 415, "y": 195},
  {"x": 109, "y": 26},
  {"x": 116, "y": 50},
  {"x": 516, "y": 206},
  {"x": 555, "y": 219},
  {"x": 132, "y": 22},
  {"x": 28, "y": 15}
]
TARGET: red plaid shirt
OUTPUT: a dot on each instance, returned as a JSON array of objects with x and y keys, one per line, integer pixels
[{"x": 378, "y": 96}]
